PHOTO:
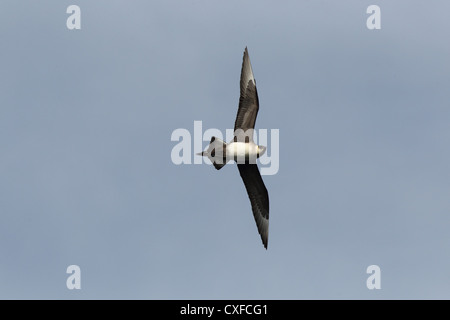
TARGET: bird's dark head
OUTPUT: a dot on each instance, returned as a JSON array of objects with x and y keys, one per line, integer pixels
[{"x": 261, "y": 150}]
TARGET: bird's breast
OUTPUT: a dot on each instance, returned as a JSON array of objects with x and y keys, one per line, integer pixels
[{"x": 241, "y": 151}]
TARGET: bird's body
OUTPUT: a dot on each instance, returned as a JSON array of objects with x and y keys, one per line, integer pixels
[
  {"x": 236, "y": 150},
  {"x": 244, "y": 151}
]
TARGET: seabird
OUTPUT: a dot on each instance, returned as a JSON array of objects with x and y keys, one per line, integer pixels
[{"x": 244, "y": 151}]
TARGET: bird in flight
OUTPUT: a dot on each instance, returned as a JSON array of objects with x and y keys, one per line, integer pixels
[{"x": 244, "y": 151}]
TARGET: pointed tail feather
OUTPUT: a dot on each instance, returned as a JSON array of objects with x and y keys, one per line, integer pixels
[{"x": 216, "y": 152}]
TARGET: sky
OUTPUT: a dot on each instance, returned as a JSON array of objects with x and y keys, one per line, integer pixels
[{"x": 87, "y": 179}]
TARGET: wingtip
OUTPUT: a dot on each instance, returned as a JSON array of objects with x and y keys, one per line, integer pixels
[{"x": 265, "y": 241}]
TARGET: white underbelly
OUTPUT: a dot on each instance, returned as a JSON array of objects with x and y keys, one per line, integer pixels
[{"x": 241, "y": 150}]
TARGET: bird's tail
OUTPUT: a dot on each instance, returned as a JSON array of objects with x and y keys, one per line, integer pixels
[{"x": 216, "y": 152}]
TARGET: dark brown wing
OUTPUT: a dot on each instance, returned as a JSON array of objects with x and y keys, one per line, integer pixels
[
  {"x": 259, "y": 198},
  {"x": 248, "y": 101}
]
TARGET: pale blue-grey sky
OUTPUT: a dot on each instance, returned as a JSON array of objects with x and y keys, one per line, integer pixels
[{"x": 86, "y": 176}]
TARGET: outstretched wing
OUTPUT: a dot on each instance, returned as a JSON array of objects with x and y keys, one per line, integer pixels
[
  {"x": 259, "y": 198},
  {"x": 248, "y": 101}
]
